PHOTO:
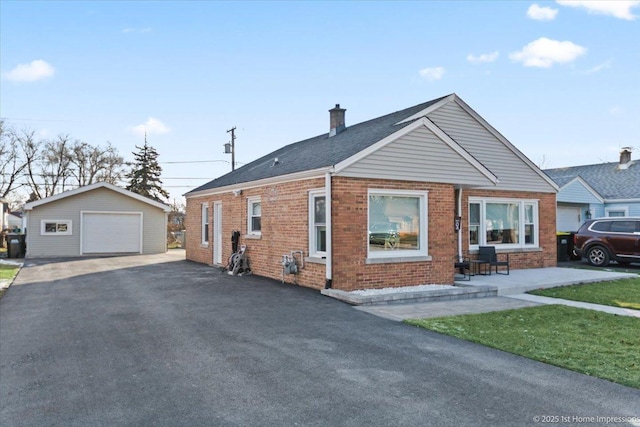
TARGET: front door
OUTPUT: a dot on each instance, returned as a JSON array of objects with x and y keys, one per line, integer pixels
[{"x": 217, "y": 233}]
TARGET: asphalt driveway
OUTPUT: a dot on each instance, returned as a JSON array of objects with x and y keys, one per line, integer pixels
[{"x": 156, "y": 340}]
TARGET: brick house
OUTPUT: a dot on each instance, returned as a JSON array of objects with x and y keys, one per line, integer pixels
[{"x": 374, "y": 205}]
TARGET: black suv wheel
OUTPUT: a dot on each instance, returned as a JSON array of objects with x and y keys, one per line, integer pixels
[{"x": 598, "y": 256}]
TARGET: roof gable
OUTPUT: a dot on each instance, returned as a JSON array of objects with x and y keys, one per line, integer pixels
[
  {"x": 29, "y": 206},
  {"x": 322, "y": 153},
  {"x": 606, "y": 179},
  {"x": 425, "y": 146},
  {"x": 318, "y": 152}
]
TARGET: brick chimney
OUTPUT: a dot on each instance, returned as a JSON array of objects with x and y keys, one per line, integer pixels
[
  {"x": 625, "y": 155},
  {"x": 336, "y": 118}
]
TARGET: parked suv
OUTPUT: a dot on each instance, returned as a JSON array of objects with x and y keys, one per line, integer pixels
[{"x": 609, "y": 239}]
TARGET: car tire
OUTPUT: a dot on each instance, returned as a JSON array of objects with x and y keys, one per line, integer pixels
[{"x": 598, "y": 256}]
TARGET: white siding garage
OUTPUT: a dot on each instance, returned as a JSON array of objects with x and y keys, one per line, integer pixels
[
  {"x": 98, "y": 219},
  {"x": 98, "y": 235}
]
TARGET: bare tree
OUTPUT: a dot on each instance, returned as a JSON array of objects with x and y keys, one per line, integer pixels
[
  {"x": 92, "y": 164},
  {"x": 12, "y": 161},
  {"x": 47, "y": 175}
]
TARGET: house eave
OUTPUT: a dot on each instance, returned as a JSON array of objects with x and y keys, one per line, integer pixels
[
  {"x": 280, "y": 179},
  {"x": 636, "y": 200}
]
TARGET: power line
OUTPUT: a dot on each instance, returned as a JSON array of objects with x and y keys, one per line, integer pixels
[{"x": 197, "y": 161}]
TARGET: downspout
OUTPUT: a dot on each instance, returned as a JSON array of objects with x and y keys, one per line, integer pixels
[
  {"x": 459, "y": 203},
  {"x": 328, "y": 265}
]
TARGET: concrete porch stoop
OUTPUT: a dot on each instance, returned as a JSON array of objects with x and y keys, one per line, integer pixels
[{"x": 482, "y": 294}]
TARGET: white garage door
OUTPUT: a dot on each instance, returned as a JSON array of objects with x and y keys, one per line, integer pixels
[
  {"x": 104, "y": 233},
  {"x": 568, "y": 218}
]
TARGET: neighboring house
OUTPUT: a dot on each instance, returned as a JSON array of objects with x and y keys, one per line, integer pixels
[
  {"x": 96, "y": 219},
  {"x": 594, "y": 191},
  {"x": 14, "y": 220},
  {"x": 376, "y": 204}
]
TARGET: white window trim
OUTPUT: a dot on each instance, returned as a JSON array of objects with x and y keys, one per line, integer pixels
[
  {"x": 250, "y": 202},
  {"x": 68, "y": 222},
  {"x": 624, "y": 209},
  {"x": 205, "y": 221},
  {"x": 312, "y": 225},
  {"x": 423, "y": 252},
  {"x": 482, "y": 233}
]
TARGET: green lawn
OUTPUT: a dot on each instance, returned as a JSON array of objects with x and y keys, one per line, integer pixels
[
  {"x": 7, "y": 272},
  {"x": 620, "y": 293},
  {"x": 591, "y": 342}
]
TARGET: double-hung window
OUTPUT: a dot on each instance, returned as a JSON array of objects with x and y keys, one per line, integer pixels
[
  {"x": 397, "y": 224},
  {"x": 503, "y": 222},
  {"x": 205, "y": 223},
  {"x": 317, "y": 224},
  {"x": 254, "y": 216}
]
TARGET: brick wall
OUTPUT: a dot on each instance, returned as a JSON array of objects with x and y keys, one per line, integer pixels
[
  {"x": 350, "y": 235},
  {"x": 285, "y": 229}
]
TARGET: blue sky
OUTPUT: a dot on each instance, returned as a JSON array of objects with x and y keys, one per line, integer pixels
[{"x": 560, "y": 80}]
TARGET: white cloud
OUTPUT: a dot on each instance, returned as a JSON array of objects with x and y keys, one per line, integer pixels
[
  {"x": 544, "y": 52},
  {"x": 600, "y": 67},
  {"x": 541, "y": 13},
  {"x": 620, "y": 8},
  {"x": 151, "y": 126},
  {"x": 35, "y": 70},
  {"x": 432, "y": 74},
  {"x": 485, "y": 57}
]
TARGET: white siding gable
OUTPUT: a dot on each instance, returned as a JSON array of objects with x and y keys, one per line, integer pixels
[
  {"x": 418, "y": 156},
  {"x": 511, "y": 170}
]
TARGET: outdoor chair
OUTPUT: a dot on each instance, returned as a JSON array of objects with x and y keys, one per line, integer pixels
[
  {"x": 488, "y": 255},
  {"x": 462, "y": 267}
]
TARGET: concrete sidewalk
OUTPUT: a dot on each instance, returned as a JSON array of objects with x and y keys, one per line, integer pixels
[{"x": 497, "y": 293}]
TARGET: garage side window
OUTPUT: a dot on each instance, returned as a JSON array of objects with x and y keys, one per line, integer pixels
[
  {"x": 205, "y": 223},
  {"x": 55, "y": 227}
]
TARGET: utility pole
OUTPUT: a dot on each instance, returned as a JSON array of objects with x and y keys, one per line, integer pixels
[{"x": 231, "y": 147}]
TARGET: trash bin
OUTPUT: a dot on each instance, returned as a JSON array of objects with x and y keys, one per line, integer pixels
[
  {"x": 16, "y": 245},
  {"x": 563, "y": 246}
]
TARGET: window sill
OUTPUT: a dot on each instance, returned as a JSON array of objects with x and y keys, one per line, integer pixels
[
  {"x": 511, "y": 250},
  {"x": 315, "y": 260},
  {"x": 390, "y": 260},
  {"x": 204, "y": 245},
  {"x": 253, "y": 236}
]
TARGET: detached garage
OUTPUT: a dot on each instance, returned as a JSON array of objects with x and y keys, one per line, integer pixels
[{"x": 98, "y": 219}]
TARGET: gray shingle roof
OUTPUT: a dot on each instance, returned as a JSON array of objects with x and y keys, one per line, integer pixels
[
  {"x": 606, "y": 178},
  {"x": 317, "y": 152}
]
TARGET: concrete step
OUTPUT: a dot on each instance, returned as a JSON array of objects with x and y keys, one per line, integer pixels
[{"x": 390, "y": 297}]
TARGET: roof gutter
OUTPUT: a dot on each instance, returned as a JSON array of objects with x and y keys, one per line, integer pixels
[{"x": 296, "y": 176}]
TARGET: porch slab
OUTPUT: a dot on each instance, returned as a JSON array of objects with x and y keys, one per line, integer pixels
[
  {"x": 521, "y": 281},
  {"x": 517, "y": 282}
]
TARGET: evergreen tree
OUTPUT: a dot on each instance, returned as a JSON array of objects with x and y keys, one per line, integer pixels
[{"x": 144, "y": 177}]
